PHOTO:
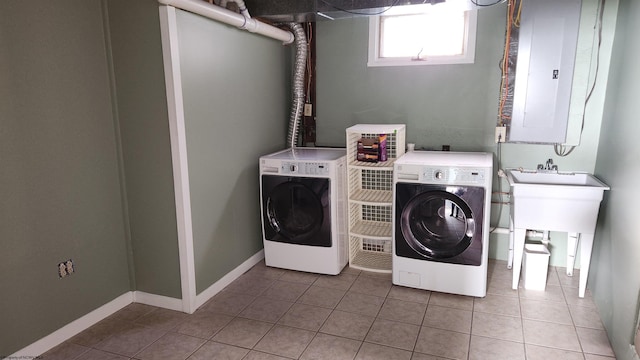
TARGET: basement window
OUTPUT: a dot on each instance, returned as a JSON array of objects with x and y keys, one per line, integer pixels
[{"x": 428, "y": 34}]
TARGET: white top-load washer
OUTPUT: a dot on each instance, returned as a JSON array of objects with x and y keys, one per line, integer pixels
[
  {"x": 441, "y": 206},
  {"x": 304, "y": 209}
]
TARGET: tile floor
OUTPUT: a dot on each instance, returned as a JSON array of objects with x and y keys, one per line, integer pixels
[{"x": 272, "y": 313}]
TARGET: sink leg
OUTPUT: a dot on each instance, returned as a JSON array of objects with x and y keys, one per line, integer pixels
[
  {"x": 518, "y": 250},
  {"x": 586, "y": 245},
  {"x": 510, "y": 255},
  {"x": 572, "y": 247}
]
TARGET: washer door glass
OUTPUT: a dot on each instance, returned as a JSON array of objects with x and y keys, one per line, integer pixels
[
  {"x": 437, "y": 224},
  {"x": 295, "y": 212}
]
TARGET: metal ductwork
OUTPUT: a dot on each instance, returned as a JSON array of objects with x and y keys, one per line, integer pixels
[{"x": 285, "y": 11}]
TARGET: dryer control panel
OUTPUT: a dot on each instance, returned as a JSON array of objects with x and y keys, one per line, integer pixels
[
  {"x": 454, "y": 175},
  {"x": 305, "y": 168}
]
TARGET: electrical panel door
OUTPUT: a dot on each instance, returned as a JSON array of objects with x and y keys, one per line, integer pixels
[{"x": 544, "y": 70}]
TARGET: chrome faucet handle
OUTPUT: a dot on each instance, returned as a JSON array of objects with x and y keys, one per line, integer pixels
[
  {"x": 548, "y": 165},
  {"x": 554, "y": 167},
  {"x": 540, "y": 167}
]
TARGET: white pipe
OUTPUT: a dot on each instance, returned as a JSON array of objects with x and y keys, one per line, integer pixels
[
  {"x": 243, "y": 8},
  {"x": 218, "y": 13}
]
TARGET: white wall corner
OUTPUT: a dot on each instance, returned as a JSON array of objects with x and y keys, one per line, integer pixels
[
  {"x": 177, "y": 134},
  {"x": 212, "y": 290},
  {"x": 73, "y": 328},
  {"x": 165, "y": 302}
]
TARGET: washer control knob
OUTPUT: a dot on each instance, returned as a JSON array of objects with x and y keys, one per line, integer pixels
[
  {"x": 293, "y": 168},
  {"x": 439, "y": 175}
]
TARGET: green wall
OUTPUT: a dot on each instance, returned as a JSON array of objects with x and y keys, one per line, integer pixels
[
  {"x": 59, "y": 183},
  {"x": 235, "y": 87},
  {"x": 144, "y": 125},
  {"x": 452, "y": 105},
  {"x": 616, "y": 283}
]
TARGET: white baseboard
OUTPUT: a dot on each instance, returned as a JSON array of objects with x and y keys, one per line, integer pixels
[
  {"x": 157, "y": 300},
  {"x": 73, "y": 328},
  {"x": 212, "y": 290}
]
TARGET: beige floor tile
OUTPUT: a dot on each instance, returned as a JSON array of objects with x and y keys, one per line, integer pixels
[
  {"x": 497, "y": 326},
  {"x": 162, "y": 319},
  {"x": 306, "y": 317},
  {"x": 360, "y": 303},
  {"x": 551, "y": 311},
  {"x": 544, "y": 353},
  {"x": 498, "y": 269},
  {"x": 552, "y": 276},
  {"x": 443, "y": 343},
  {"x": 497, "y": 304},
  {"x": 203, "y": 324},
  {"x": 171, "y": 346},
  {"x": 132, "y": 312},
  {"x": 550, "y": 293},
  {"x": 299, "y": 277},
  {"x": 551, "y": 335},
  {"x": 448, "y": 319},
  {"x": 262, "y": 270},
  {"x": 349, "y": 325},
  {"x": 94, "y": 354},
  {"x": 394, "y": 334},
  {"x": 130, "y": 340},
  {"x": 483, "y": 348},
  {"x": 409, "y": 294},
  {"x": 571, "y": 295},
  {"x": 356, "y": 314},
  {"x": 213, "y": 350},
  {"x": 371, "y": 285},
  {"x": 265, "y": 309},
  {"x": 98, "y": 332},
  {"x": 65, "y": 351},
  {"x": 320, "y": 296},
  {"x": 369, "y": 351},
  {"x": 451, "y": 300},
  {"x": 242, "y": 332},
  {"x": 594, "y": 341},
  {"x": 228, "y": 303},
  {"x": 351, "y": 271},
  {"x": 285, "y": 341},
  {"x": 250, "y": 284},
  {"x": 500, "y": 286},
  {"x": 420, "y": 356},
  {"x": 341, "y": 282},
  {"x": 598, "y": 357},
  {"x": 259, "y": 355},
  {"x": 325, "y": 346},
  {"x": 586, "y": 317},
  {"x": 285, "y": 290},
  {"x": 566, "y": 280},
  {"x": 403, "y": 311}
]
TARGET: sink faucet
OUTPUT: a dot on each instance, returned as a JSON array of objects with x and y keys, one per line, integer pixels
[{"x": 548, "y": 166}]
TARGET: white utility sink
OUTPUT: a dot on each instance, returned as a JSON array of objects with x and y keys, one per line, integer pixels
[{"x": 554, "y": 201}]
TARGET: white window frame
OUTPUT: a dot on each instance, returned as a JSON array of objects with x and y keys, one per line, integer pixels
[{"x": 467, "y": 56}]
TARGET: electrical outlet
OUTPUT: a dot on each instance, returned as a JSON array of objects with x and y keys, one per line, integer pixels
[
  {"x": 308, "y": 109},
  {"x": 62, "y": 270},
  {"x": 69, "y": 265},
  {"x": 501, "y": 134},
  {"x": 65, "y": 268}
]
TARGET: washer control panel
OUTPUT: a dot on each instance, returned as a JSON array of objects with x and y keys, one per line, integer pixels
[
  {"x": 305, "y": 168},
  {"x": 454, "y": 175}
]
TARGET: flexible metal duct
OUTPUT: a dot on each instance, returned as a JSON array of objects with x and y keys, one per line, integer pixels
[{"x": 300, "y": 65}]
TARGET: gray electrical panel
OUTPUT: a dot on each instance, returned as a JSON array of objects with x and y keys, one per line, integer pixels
[{"x": 544, "y": 70}]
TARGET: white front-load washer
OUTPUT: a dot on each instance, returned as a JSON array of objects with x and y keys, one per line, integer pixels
[
  {"x": 441, "y": 206},
  {"x": 304, "y": 209}
]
